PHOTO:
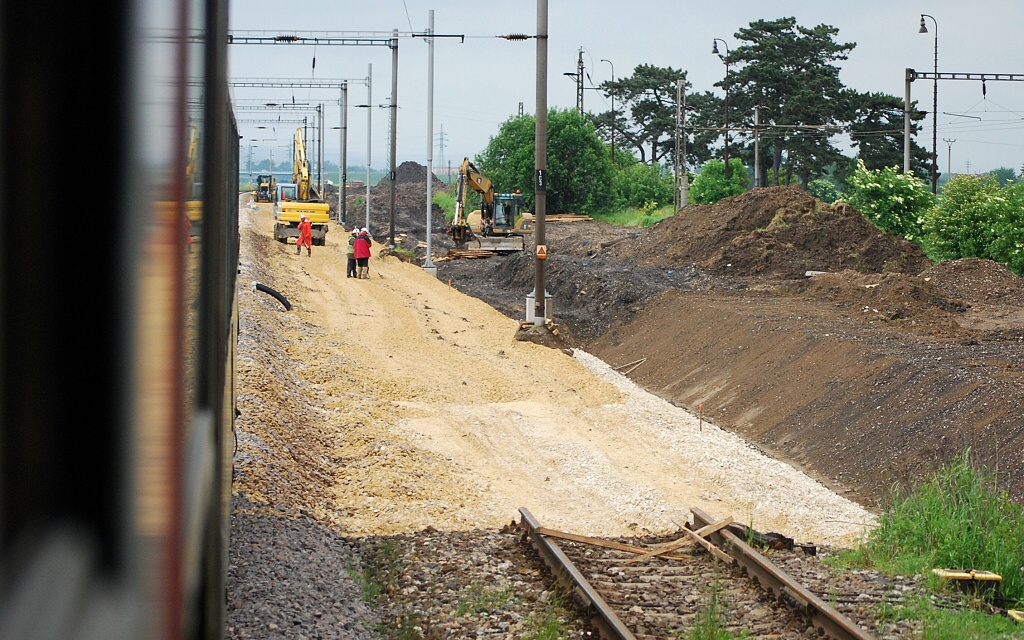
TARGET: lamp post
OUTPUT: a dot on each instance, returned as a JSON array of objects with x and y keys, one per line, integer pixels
[
  {"x": 935, "y": 100},
  {"x": 725, "y": 59},
  {"x": 613, "y": 109}
]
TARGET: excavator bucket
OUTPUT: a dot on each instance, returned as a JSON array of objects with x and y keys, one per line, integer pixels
[{"x": 502, "y": 244}]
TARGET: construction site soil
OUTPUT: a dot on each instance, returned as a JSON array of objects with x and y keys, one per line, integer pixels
[{"x": 794, "y": 323}]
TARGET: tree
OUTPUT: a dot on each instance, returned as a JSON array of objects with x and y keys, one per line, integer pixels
[
  {"x": 895, "y": 202},
  {"x": 579, "y": 167},
  {"x": 711, "y": 185},
  {"x": 876, "y": 130},
  {"x": 788, "y": 70},
  {"x": 649, "y": 96},
  {"x": 1003, "y": 175}
]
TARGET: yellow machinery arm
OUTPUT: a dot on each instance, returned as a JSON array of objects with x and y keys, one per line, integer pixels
[
  {"x": 470, "y": 177},
  {"x": 300, "y": 169}
]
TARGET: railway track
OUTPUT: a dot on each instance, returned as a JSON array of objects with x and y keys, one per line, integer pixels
[{"x": 657, "y": 588}]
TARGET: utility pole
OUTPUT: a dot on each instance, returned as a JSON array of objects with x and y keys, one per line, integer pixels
[
  {"x": 441, "y": 139},
  {"x": 757, "y": 146},
  {"x": 369, "y": 130},
  {"x": 682, "y": 175},
  {"x": 949, "y": 155},
  {"x": 343, "y": 169},
  {"x": 428, "y": 265},
  {"x": 679, "y": 110},
  {"x": 540, "y": 159},
  {"x": 613, "y": 108},
  {"x": 579, "y": 82},
  {"x": 578, "y": 77},
  {"x": 394, "y": 137}
]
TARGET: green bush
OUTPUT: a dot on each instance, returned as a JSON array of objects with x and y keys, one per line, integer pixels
[
  {"x": 638, "y": 183},
  {"x": 976, "y": 218},
  {"x": 958, "y": 519},
  {"x": 895, "y": 202},
  {"x": 823, "y": 190},
  {"x": 711, "y": 185}
]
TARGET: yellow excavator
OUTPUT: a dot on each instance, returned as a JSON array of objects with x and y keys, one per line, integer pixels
[
  {"x": 498, "y": 223},
  {"x": 298, "y": 198}
]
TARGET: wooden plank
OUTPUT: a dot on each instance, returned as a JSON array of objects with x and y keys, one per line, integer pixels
[
  {"x": 692, "y": 537},
  {"x": 600, "y": 542}
]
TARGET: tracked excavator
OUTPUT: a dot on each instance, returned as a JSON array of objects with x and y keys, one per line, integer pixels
[
  {"x": 298, "y": 198},
  {"x": 499, "y": 223}
]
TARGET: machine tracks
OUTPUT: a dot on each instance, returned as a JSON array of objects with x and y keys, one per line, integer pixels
[{"x": 711, "y": 577}]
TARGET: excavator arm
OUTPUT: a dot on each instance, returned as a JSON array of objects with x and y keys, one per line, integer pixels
[
  {"x": 471, "y": 178},
  {"x": 300, "y": 170}
]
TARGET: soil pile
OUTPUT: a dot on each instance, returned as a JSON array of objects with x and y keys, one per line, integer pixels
[
  {"x": 778, "y": 232},
  {"x": 410, "y": 207}
]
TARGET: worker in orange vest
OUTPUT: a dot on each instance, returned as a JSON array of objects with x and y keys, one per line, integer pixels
[{"x": 305, "y": 237}]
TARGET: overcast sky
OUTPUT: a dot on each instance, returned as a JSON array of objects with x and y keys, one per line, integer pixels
[{"x": 479, "y": 82}]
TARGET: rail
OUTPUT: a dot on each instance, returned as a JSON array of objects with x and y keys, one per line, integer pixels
[{"x": 718, "y": 538}]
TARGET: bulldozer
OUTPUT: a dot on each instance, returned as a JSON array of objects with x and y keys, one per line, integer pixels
[{"x": 500, "y": 222}]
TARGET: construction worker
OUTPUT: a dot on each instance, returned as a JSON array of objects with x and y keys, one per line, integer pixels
[
  {"x": 361, "y": 248},
  {"x": 350, "y": 253},
  {"x": 305, "y": 237}
]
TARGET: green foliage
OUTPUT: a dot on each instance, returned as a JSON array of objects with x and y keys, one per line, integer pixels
[
  {"x": 823, "y": 190},
  {"x": 1008, "y": 245},
  {"x": 711, "y": 185},
  {"x": 645, "y": 111},
  {"x": 895, "y": 202},
  {"x": 445, "y": 199},
  {"x": 791, "y": 70},
  {"x": 958, "y": 519},
  {"x": 1003, "y": 175},
  {"x": 380, "y": 575},
  {"x": 642, "y": 217},
  {"x": 978, "y": 218},
  {"x": 637, "y": 184},
  {"x": 579, "y": 166},
  {"x": 950, "y": 624},
  {"x": 403, "y": 254}
]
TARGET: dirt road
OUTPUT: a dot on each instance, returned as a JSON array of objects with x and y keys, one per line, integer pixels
[{"x": 396, "y": 403}]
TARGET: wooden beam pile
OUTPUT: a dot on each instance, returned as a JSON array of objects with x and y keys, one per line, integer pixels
[
  {"x": 567, "y": 217},
  {"x": 454, "y": 254}
]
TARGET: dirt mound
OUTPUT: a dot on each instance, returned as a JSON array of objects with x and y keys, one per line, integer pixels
[
  {"x": 780, "y": 232},
  {"x": 977, "y": 281},
  {"x": 410, "y": 208},
  {"x": 410, "y": 171}
]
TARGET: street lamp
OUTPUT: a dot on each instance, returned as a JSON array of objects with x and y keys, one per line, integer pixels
[
  {"x": 725, "y": 59},
  {"x": 613, "y": 109},
  {"x": 935, "y": 100}
]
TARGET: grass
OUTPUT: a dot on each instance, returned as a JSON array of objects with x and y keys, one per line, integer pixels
[
  {"x": 641, "y": 218},
  {"x": 403, "y": 254},
  {"x": 550, "y": 623},
  {"x": 380, "y": 575},
  {"x": 709, "y": 624},
  {"x": 957, "y": 519},
  {"x": 482, "y": 599}
]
